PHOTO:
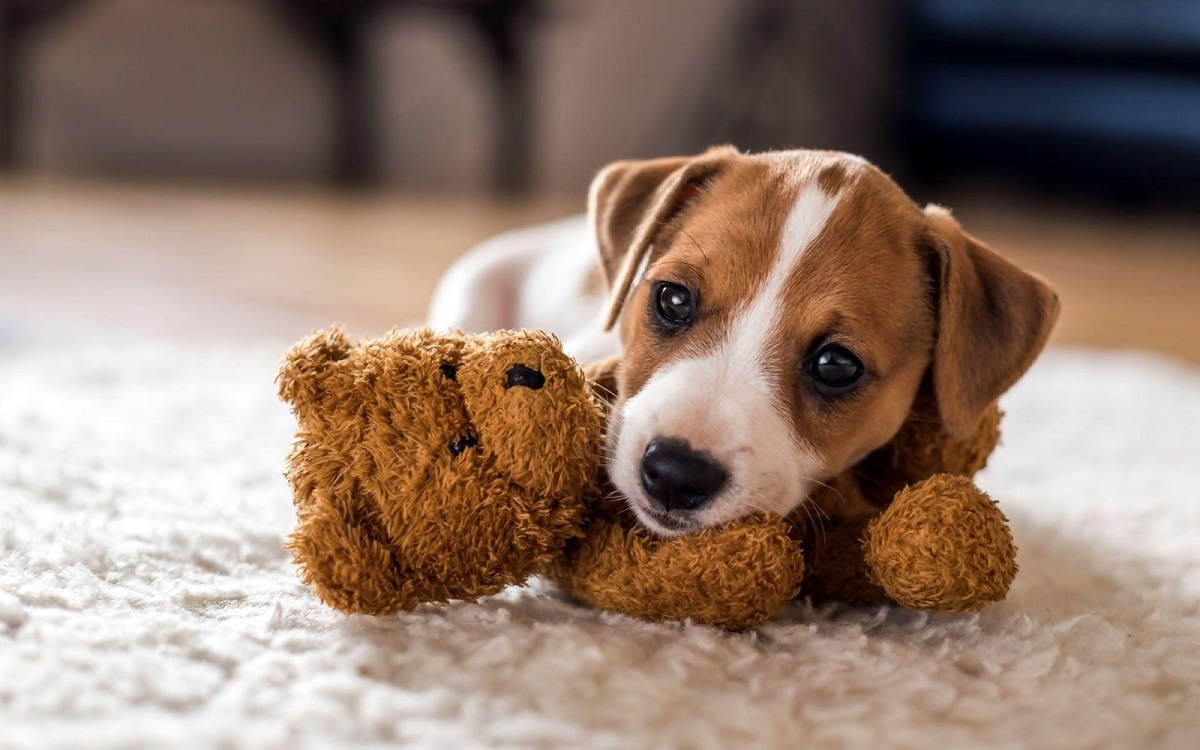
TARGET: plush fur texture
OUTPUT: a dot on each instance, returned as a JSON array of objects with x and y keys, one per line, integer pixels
[
  {"x": 734, "y": 577},
  {"x": 955, "y": 555},
  {"x": 147, "y": 599},
  {"x": 423, "y": 474}
]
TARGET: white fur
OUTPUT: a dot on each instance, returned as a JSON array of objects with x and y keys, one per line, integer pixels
[
  {"x": 530, "y": 278},
  {"x": 726, "y": 403}
]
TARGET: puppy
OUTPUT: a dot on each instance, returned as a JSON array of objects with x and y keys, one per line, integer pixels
[{"x": 776, "y": 315}]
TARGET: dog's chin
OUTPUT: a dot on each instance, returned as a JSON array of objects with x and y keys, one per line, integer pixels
[{"x": 666, "y": 525}]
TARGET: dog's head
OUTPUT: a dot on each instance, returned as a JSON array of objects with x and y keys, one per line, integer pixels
[{"x": 778, "y": 313}]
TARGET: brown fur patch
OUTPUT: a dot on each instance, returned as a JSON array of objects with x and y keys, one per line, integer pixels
[
  {"x": 860, "y": 284},
  {"x": 723, "y": 245},
  {"x": 833, "y": 178}
]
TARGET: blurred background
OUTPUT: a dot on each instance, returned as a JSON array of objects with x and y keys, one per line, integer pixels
[{"x": 241, "y": 170}]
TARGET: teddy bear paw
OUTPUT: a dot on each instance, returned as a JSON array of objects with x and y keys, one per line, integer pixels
[{"x": 942, "y": 544}]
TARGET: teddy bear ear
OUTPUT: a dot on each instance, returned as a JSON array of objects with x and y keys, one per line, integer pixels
[{"x": 308, "y": 363}]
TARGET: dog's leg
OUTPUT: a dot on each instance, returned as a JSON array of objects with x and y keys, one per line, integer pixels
[
  {"x": 530, "y": 278},
  {"x": 479, "y": 292}
]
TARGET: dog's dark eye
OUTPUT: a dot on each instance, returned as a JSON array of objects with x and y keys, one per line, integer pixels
[
  {"x": 674, "y": 305},
  {"x": 835, "y": 367}
]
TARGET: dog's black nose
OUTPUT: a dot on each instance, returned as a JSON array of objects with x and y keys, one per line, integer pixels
[{"x": 679, "y": 478}]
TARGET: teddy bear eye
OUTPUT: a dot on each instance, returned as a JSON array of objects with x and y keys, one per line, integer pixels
[
  {"x": 525, "y": 377},
  {"x": 449, "y": 371}
]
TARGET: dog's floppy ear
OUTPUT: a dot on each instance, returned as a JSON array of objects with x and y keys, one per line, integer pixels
[
  {"x": 993, "y": 320},
  {"x": 627, "y": 203}
]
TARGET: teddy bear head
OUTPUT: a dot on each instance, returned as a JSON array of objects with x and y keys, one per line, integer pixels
[
  {"x": 460, "y": 459},
  {"x": 512, "y": 396}
]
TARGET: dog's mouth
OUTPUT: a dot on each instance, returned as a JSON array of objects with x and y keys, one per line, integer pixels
[{"x": 667, "y": 523}]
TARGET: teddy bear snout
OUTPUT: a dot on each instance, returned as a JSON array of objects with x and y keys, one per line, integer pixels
[{"x": 458, "y": 447}]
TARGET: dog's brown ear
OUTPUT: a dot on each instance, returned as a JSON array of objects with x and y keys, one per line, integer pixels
[
  {"x": 993, "y": 320},
  {"x": 627, "y": 203}
]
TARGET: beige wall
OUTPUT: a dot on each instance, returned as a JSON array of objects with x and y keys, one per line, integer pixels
[{"x": 222, "y": 88}]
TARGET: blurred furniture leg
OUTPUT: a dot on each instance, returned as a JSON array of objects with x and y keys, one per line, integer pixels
[
  {"x": 356, "y": 146},
  {"x": 8, "y": 86},
  {"x": 338, "y": 29},
  {"x": 506, "y": 30},
  {"x": 19, "y": 20}
]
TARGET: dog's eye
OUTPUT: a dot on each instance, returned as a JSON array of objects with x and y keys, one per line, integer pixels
[
  {"x": 674, "y": 305},
  {"x": 835, "y": 367}
]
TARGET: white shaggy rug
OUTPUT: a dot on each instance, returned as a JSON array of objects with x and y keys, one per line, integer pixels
[{"x": 145, "y": 599}]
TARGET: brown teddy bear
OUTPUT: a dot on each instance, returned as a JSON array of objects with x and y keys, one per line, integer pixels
[{"x": 430, "y": 467}]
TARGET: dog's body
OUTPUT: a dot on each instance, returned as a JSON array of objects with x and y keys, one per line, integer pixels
[
  {"x": 543, "y": 278},
  {"x": 776, "y": 316}
]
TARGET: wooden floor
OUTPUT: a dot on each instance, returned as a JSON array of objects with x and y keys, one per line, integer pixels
[{"x": 83, "y": 259}]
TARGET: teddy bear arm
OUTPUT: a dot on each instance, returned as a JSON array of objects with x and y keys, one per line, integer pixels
[
  {"x": 350, "y": 568},
  {"x": 735, "y": 577},
  {"x": 943, "y": 545}
]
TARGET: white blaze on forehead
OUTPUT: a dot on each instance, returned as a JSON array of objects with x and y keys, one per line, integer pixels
[{"x": 757, "y": 321}]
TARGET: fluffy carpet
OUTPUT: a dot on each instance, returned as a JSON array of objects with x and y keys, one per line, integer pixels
[{"x": 145, "y": 599}]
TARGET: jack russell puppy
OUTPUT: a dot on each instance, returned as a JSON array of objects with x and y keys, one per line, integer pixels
[{"x": 775, "y": 316}]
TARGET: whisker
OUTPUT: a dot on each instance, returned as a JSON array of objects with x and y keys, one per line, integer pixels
[
  {"x": 812, "y": 501},
  {"x": 817, "y": 523},
  {"x": 697, "y": 244},
  {"x": 754, "y": 506},
  {"x": 829, "y": 487},
  {"x": 608, "y": 391},
  {"x": 817, "y": 527}
]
